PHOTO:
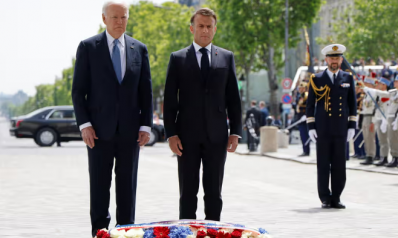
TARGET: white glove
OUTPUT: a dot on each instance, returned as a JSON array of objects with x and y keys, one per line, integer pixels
[
  {"x": 383, "y": 126},
  {"x": 303, "y": 118},
  {"x": 395, "y": 124},
  {"x": 350, "y": 134},
  {"x": 313, "y": 135}
]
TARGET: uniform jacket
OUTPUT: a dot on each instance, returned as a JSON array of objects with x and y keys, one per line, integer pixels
[{"x": 334, "y": 112}]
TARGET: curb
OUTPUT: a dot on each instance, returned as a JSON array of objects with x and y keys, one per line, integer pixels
[{"x": 312, "y": 163}]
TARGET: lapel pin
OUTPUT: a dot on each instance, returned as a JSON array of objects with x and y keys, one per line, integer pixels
[{"x": 216, "y": 52}]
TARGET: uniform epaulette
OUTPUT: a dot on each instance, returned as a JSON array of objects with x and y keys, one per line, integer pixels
[{"x": 312, "y": 76}]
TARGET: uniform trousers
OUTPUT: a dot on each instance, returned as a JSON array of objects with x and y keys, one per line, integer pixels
[
  {"x": 369, "y": 137},
  {"x": 392, "y": 138},
  {"x": 383, "y": 140},
  {"x": 331, "y": 162}
]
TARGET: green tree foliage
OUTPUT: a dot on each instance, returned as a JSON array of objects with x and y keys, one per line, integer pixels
[
  {"x": 368, "y": 29},
  {"x": 164, "y": 29},
  {"x": 255, "y": 31}
]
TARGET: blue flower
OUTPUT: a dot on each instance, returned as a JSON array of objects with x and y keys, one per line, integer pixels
[
  {"x": 262, "y": 231},
  {"x": 179, "y": 232},
  {"x": 148, "y": 233}
]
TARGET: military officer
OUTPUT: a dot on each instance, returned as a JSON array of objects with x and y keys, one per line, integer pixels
[
  {"x": 300, "y": 113},
  {"x": 393, "y": 124},
  {"x": 331, "y": 119},
  {"x": 381, "y": 123},
  {"x": 368, "y": 114}
]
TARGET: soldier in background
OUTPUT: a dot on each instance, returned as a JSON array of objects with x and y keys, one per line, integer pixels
[
  {"x": 300, "y": 113},
  {"x": 382, "y": 99},
  {"x": 368, "y": 127},
  {"x": 359, "y": 151},
  {"x": 253, "y": 124},
  {"x": 392, "y": 114}
]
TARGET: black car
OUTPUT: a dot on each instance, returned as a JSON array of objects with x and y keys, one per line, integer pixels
[{"x": 58, "y": 124}]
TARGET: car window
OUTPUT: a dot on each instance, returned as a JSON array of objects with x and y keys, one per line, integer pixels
[{"x": 63, "y": 114}]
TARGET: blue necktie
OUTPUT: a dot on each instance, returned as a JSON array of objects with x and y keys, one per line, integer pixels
[{"x": 117, "y": 65}]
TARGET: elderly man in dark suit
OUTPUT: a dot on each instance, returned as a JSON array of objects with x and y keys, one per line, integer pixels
[
  {"x": 201, "y": 90},
  {"x": 112, "y": 97}
]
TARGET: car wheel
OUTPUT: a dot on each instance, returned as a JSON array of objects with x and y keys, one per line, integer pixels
[
  {"x": 154, "y": 137},
  {"x": 46, "y": 137}
]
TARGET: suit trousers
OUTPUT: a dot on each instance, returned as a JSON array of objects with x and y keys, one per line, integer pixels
[
  {"x": 392, "y": 138},
  {"x": 125, "y": 153},
  {"x": 383, "y": 140},
  {"x": 369, "y": 137},
  {"x": 213, "y": 157},
  {"x": 331, "y": 162}
]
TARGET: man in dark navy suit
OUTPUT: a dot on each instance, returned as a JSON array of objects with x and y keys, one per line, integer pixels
[
  {"x": 112, "y": 97},
  {"x": 331, "y": 120},
  {"x": 201, "y": 90}
]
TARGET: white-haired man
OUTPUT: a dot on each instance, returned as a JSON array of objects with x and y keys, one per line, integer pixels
[{"x": 112, "y": 97}]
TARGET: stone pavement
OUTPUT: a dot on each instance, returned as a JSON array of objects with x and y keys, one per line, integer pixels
[
  {"x": 291, "y": 154},
  {"x": 44, "y": 193}
]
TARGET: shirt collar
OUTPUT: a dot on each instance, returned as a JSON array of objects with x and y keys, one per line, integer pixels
[
  {"x": 110, "y": 39},
  {"x": 198, "y": 47},
  {"x": 331, "y": 74}
]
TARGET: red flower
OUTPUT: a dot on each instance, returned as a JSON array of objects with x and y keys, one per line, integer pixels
[
  {"x": 102, "y": 234},
  {"x": 212, "y": 233},
  {"x": 236, "y": 234},
  {"x": 221, "y": 234},
  {"x": 161, "y": 232},
  {"x": 201, "y": 234}
]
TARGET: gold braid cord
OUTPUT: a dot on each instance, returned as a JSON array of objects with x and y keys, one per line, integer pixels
[{"x": 318, "y": 92}]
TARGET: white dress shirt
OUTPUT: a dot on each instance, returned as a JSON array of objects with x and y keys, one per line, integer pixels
[
  {"x": 330, "y": 73},
  {"x": 199, "y": 54},
  {"x": 122, "y": 49}
]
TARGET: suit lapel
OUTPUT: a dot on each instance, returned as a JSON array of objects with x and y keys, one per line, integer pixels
[
  {"x": 339, "y": 79},
  {"x": 130, "y": 51},
  {"x": 103, "y": 47}
]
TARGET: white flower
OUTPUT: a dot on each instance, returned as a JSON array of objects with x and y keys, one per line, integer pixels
[
  {"x": 118, "y": 233},
  {"x": 247, "y": 234},
  {"x": 191, "y": 236},
  {"x": 207, "y": 236},
  {"x": 226, "y": 230},
  {"x": 202, "y": 229},
  {"x": 135, "y": 233}
]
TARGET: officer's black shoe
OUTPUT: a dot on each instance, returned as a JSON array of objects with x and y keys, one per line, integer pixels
[
  {"x": 337, "y": 205},
  {"x": 355, "y": 156},
  {"x": 393, "y": 163},
  {"x": 368, "y": 161},
  {"x": 362, "y": 157},
  {"x": 325, "y": 204},
  {"x": 382, "y": 162},
  {"x": 304, "y": 154},
  {"x": 376, "y": 158}
]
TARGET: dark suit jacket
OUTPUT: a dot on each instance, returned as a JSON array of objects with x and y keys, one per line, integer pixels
[
  {"x": 193, "y": 105},
  {"x": 342, "y": 105},
  {"x": 100, "y": 99}
]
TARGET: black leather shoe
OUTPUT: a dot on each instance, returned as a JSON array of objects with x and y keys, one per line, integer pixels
[
  {"x": 325, "y": 204},
  {"x": 362, "y": 157},
  {"x": 304, "y": 154},
  {"x": 368, "y": 161},
  {"x": 376, "y": 158},
  {"x": 393, "y": 163},
  {"x": 355, "y": 156},
  {"x": 337, "y": 205},
  {"x": 382, "y": 162}
]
